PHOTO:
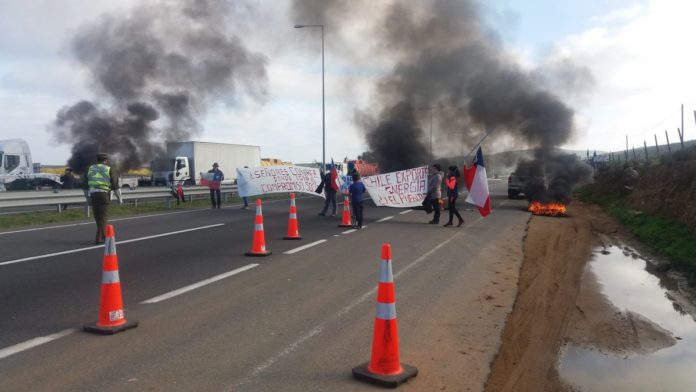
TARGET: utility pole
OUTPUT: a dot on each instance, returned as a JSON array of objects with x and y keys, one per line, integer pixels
[
  {"x": 645, "y": 145},
  {"x": 657, "y": 146},
  {"x": 635, "y": 157},
  {"x": 681, "y": 137},
  {"x": 669, "y": 148}
]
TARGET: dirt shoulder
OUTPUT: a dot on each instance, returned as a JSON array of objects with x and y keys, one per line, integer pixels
[{"x": 559, "y": 301}]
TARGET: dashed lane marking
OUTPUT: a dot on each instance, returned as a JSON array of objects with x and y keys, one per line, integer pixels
[
  {"x": 200, "y": 284},
  {"x": 303, "y": 247},
  {"x": 405, "y": 212},
  {"x": 385, "y": 219},
  {"x": 66, "y": 252},
  {"x": 18, "y": 348}
]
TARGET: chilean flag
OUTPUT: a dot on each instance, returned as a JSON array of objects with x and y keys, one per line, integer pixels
[{"x": 477, "y": 184}]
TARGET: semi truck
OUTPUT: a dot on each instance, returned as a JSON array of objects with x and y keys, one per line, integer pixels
[
  {"x": 17, "y": 170},
  {"x": 185, "y": 161}
]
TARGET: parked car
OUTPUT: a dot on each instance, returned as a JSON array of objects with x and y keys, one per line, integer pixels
[{"x": 515, "y": 185}]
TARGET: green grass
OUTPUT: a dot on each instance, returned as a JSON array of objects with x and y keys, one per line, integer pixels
[
  {"x": 77, "y": 213},
  {"x": 666, "y": 237}
]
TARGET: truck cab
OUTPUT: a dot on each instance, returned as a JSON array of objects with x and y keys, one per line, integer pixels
[
  {"x": 169, "y": 171},
  {"x": 15, "y": 158}
]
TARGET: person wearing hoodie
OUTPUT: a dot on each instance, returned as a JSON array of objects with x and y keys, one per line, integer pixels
[
  {"x": 452, "y": 195},
  {"x": 434, "y": 185}
]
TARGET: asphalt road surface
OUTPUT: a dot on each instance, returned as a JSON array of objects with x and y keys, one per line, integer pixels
[{"x": 212, "y": 319}]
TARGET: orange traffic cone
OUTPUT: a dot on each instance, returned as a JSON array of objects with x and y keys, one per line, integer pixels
[
  {"x": 345, "y": 222},
  {"x": 258, "y": 246},
  {"x": 111, "y": 317},
  {"x": 293, "y": 227},
  {"x": 384, "y": 367}
]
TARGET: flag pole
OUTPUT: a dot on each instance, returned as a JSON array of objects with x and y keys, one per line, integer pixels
[{"x": 478, "y": 144}]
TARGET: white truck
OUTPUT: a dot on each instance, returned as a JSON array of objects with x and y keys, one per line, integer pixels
[
  {"x": 17, "y": 169},
  {"x": 186, "y": 161}
]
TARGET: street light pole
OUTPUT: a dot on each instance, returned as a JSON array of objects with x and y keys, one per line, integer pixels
[{"x": 323, "y": 99}]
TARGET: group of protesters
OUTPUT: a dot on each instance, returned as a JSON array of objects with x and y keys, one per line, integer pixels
[{"x": 431, "y": 202}]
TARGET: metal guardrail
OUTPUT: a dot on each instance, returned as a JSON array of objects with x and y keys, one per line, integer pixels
[{"x": 76, "y": 196}]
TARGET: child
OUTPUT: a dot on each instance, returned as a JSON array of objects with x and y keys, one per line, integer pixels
[{"x": 357, "y": 189}]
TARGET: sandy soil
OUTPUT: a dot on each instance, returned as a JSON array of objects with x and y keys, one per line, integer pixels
[{"x": 559, "y": 301}]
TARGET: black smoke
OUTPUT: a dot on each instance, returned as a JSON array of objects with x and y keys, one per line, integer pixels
[
  {"x": 155, "y": 70},
  {"x": 449, "y": 65}
]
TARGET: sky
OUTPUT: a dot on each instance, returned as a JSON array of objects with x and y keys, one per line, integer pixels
[{"x": 639, "y": 54}]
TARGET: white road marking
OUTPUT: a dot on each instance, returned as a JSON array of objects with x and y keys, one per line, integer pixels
[
  {"x": 385, "y": 219},
  {"x": 199, "y": 284},
  {"x": 131, "y": 218},
  {"x": 336, "y": 235},
  {"x": 303, "y": 247},
  {"x": 17, "y": 348},
  {"x": 319, "y": 328},
  {"x": 102, "y": 246},
  {"x": 405, "y": 212},
  {"x": 348, "y": 231}
]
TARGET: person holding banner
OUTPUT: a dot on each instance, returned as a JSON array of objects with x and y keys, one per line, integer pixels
[
  {"x": 330, "y": 189},
  {"x": 452, "y": 195},
  {"x": 357, "y": 190},
  {"x": 435, "y": 192},
  {"x": 214, "y": 185}
]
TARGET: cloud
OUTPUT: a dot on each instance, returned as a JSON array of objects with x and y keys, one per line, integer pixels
[{"x": 643, "y": 64}]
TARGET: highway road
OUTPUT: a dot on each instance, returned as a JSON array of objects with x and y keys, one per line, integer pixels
[{"x": 212, "y": 319}]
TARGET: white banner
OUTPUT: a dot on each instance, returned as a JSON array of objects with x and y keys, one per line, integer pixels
[
  {"x": 406, "y": 188},
  {"x": 278, "y": 179}
]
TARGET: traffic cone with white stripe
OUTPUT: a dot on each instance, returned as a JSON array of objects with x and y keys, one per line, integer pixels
[
  {"x": 293, "y": 226},
  {"x": 385, "y": 367},
  {"x": 111, "y": 315},
  {"x": 258, "y": 246},
  {"x": 345, "y": 222}
]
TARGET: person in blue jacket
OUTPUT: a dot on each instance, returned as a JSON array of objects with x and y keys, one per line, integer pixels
[{"x": 357, "y": 190}]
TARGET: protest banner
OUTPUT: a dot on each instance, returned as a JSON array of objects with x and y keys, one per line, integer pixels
[
  {"x": 278, "y": 179},
  {"x": 406, "y": 188}
]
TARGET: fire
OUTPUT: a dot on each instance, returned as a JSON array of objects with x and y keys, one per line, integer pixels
[{"x": 550, "y": 209}]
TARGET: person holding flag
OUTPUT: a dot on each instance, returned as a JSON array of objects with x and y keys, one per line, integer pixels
[
  {"x": 212, "y": 180},
  {"x": 476, "y": 182}
]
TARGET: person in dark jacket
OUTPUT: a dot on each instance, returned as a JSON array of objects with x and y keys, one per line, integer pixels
[
  {"x": 452, "y": 195},
  {"x": 330, "y": 189},
  {"x": 215, "y": 195},
  {"x": 357, "y": 190},
  {"x": 67, "y": 179}
]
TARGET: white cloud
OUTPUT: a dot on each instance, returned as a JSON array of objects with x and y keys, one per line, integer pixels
[{"x": 643, "y": 64}]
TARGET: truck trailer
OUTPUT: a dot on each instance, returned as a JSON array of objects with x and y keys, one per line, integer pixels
[{"x": 185, "y": 161}]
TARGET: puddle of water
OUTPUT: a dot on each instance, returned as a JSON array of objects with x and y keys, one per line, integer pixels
[{"x": 627, "y": 284}]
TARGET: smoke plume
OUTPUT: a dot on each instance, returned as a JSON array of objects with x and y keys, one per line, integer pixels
[
  {"x": 155, "y": 70},
  {"x": 451, "y": 69}
]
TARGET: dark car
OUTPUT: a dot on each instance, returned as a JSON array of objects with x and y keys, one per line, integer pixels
[{"x": 515, "y": 185}]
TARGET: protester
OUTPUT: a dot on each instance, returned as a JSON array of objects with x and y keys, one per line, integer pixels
[
  {"x": 67, "y": 179},
  {"x": 434, "y": 191},
  {"x": 356, "y": 190},
  {"x": 244, "y": 198},
  {"x": 215, "y": 195},
  {"x": 180, "y": 194},
  {"x": 328, "y": 182},
  {"x": 452, "y": 195}
]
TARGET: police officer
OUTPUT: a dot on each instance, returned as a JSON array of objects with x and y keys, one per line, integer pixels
[{"x": 101, "y": 180}]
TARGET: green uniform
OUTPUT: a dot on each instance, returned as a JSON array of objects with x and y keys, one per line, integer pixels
[{"x": 101, "y": 180}]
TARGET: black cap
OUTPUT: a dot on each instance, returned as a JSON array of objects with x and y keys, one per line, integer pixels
[{"x": 101, "y": 156}]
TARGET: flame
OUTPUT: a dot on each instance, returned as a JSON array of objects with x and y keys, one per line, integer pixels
[{"x": 550, "y": 209}]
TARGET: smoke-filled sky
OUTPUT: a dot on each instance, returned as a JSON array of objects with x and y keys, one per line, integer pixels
[{"x": 621, "y": 66}]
